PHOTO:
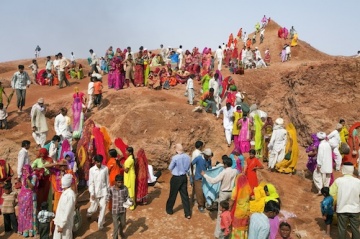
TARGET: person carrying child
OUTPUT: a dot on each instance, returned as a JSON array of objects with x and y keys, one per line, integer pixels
[
  {"x": 8, "y": 208},
  {"x": 327, "y": 208},
  {"x": 118, "y": 194},
  {"x": 225, "y": 220},
  {"x": 45, "y": 217}
]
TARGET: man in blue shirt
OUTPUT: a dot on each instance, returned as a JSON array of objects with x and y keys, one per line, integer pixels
[
  {"x": 202, "y": 162},
  {"x": 179, "y": 166}
]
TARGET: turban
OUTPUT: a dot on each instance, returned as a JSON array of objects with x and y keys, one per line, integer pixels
[
  {"x": 41, "y": 100},
  {"x": 207, "y": 152},
  {"x": 66, "y": 181},
  {"x": 321, "y": 135},
  {"x": 279, "y": 121},
  {"x": 347, "y": 169}
]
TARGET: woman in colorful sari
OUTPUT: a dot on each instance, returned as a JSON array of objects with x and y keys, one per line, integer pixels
[
  {"x": 236, "y": 128},
  {"x": 291, "y": 152},
  {"x": 78, "y": 113},
  {"x": 119, "y": 78},
  {"x": 294, "y": 40},
  {"x": 142, "y": 176},
  {"x": 311, "y": 150},
  {"x": 258, "y": 123},
  {"x": 188, "y": 60},
  {"x": 267, "y": 57},
  {"x": 129, "y": 174},
  {"x": 252, "y": 165},
  {"x": 238, "y": 160},
  {"x": 227, "y": 54},
  {"x": 267, "y": 131},
  {"x": 27, "y": 202},
  {"x": 245, "y": 133},
  {"x": 239, "y": 204},
  {"x": 43, "y": 193},
  {"x": 353, "y": 142},
  {"x": 146, "y": 66},
  {"x": 205, "y": 82},
  {"x": 139, "y": 70}
]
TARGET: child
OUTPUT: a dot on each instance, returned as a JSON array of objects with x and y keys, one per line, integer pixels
[
  {"x": 2, "y": 91},
  {"x": 119, "y": 195},
  {"x": 253, "y": 164},
  {"x": 8, "y": 209},
  {"x": 45, "y": 217},
  {"x": 34, "y": 69},
  {"x": 190, "y": 89},
  {"x": 284, "y": 231},
  {"x": 225, "y": 220},
  {"x": 98, "y": 92},
  {"x": 327, "y": 208},
  {"x": 3, "y": 117}
]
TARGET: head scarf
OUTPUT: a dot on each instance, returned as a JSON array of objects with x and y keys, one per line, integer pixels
[
  {"x": 274, "y": 196},
  {"x": 44, "y": 152},
  {"x": 71, "y": 162}
]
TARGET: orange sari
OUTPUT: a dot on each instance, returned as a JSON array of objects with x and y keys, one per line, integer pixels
[
  {"x": 55, "y": 179},
  {"x": 353, "y": 142}
]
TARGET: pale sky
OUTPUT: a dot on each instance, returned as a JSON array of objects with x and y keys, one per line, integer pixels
[{"x": 78, "y": 25}]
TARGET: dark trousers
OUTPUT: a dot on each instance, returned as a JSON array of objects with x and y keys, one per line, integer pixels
[
  {"x": 62, "y": 78},
  {"x": 97, "y": 99},
  {"x": 178, "y": 184},
  {"x": 94, "y": 69},
  {"x": 3, "y": 124},
  {"x": 20, "y": 95},
  {"x": 10, "y": 222},
  {"x": 44, "y": 230},
  {"x": 343, "y": 219}
]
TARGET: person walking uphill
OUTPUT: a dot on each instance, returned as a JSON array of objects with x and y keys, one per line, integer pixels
[
  {"x": 19, "y": 82},
  {"x": 179, "y": 166},
  {"x": 64, "y": 63}
]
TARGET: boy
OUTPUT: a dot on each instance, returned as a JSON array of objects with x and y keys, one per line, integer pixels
[
  {"x": 225, "y": 220},
  {"x": 2, "y": 91},
  {"x": 8, "y": 209},
  {"x": 118, "y": 195},
  {"x": 3, "y": 117},
  {"x": 97, "y": 92},
  {"x": 327, "y": 208},
  {"x": 44, "y": 217}
]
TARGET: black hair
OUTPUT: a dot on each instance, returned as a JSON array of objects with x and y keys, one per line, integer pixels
[
  {"x": 131, "y": 151},
  {"x": 25, "y": 143},
  {"x": 220, "y": 47},
  {"x": 252, "y": 151},
  {"x": 1, "y": 105},
  {"x": 341, "y": 121},
  {"x": 44, "y": 206},
  {"x": 119, "y": 177},
  {"x": 211, "y": 90},
  {"x": 272, "y": 206},
  {"x": 216, "y": 75},
  {"x": 113, "y": 153},
  {"x": 21, "y": 67},
  {"x": 199, "y": 144},
  {"x": 325, "y": 191},
  {"x": 91, "y": 50},
  {"x": 285, "y": 224},
  {"x": 224, "y": 204},
  {"x": 348, "y": 164},
  {"x": 7, "y": 186},
  {"x": 227, "y": 161},
  {"x": 56, "y": 138},
  {"x": 98, "y": 158}
]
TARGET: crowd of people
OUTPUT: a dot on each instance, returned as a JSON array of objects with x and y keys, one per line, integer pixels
[{"x": 82, "y": 154}]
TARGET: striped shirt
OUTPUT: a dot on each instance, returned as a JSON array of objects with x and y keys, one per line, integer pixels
[
  {"x": 259, "y": 227},
  {"x": 45, "y": 216},
  {"x": 118, "y": 197},
  {"x": 9, "y": 203},
  {"x": 20, "y": 80}
]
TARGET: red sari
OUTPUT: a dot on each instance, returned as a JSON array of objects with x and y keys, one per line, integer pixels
[
  {"x": 142, "y": 175},
  {"x": 251, "y": 173}
]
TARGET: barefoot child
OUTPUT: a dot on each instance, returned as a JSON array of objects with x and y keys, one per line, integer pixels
[
  {"x": 327, "y": 209},
  {"x": 118, "y": 195},
  {"x": 8, "y": 209},
  {"x": 225, "y": 220},
  {"x": 284, "y": 231}
]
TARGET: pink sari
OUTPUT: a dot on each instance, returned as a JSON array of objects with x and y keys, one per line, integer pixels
[{"x": 245, "y": 134}]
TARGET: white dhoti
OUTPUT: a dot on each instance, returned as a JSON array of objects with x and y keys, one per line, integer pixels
[
  {"x": 338, "y": 158},
  {"x": 191, "y": 96},
  {"x": 276, "y": 156},
  {"x": 90, "y": 101},
  {"x": 65, "y": 234},
  {"x": 94, "y": 204},
  {"x": 321, "y": 179},
  {"x": 40, "y": 138},
  {"x": 219, "y": 60},
  {"x": 228, "y": 134}
]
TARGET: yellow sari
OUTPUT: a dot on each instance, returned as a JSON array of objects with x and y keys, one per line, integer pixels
[
  {"x": 258, "y": 204},
  {"x": 129, "y": 178},
  {"x": 294, "y": 40},
  {"x": 289, "y": 166},
  {"x": 344, "y": 134},
  {"x": 258, "y": 135}
]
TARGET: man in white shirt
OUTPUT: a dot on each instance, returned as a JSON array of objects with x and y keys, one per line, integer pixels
[
  {"x": 94, "y": 61},
  {"x": 162, "y": 51},
  {"x": 90, "y": 92},
  {"x": 223, "y": 47},
  {"x": 227, "y": 179},
  {"x": 347, "y": 191},
  {"x": 334, "y": 141},
  {"x": 322, "y": 173},
  {"x": 23, "y": 157},
  {"x": 213, "y": 83},
  {"x": 61, "y": 126},
  {"x": 72, "y": 58},
  {"x": 62, "y": 67},
  {"x": 181, "y": 55},
  {"x": 38, "y": 123},
  {"x": 228, "y": 121},
  {"x": 98, "y": 185},
  {"x": 219, "y": 55},
  {"x": 190, "y": 89}
]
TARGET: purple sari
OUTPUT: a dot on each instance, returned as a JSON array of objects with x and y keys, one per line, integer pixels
[
  {"x": 78, "y": 116},
  {"x": 27, "y": 202}
]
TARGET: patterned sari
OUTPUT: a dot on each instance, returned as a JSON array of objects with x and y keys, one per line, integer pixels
[
  {"x": 27, "y": 203},
  {"x": 240, "y": 210},
  {"x": 142, "y": 175}
]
